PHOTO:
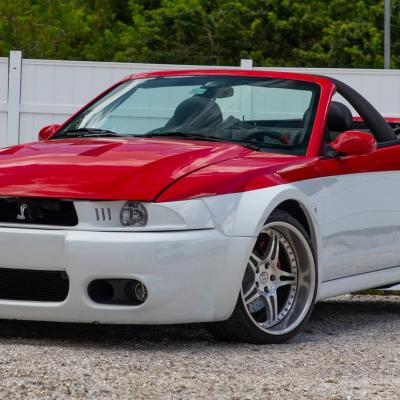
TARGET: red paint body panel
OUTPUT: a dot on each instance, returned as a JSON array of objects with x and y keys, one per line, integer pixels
[
  {"x": 261, "y": 171},
  {"x": 255, "y": 171},
  {"x": 383, "y": 159},
  {"x": 109, "y": 169}
]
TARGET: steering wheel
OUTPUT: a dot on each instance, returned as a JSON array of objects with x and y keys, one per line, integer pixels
[{"x": 260, "y": 136}]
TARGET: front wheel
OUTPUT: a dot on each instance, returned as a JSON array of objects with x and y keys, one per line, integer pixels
[{"x": 278, "y": 288}]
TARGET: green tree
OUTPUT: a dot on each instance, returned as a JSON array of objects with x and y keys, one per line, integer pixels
[
  {"x": 311, "y": 33},
  {"x": 65, "y": 29},
  {"x": 319, "y": 33}
]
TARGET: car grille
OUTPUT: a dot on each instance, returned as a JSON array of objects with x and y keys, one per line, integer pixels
[
  {"x": 33, "y": 285},
  {"x": 38, "y": 211}
]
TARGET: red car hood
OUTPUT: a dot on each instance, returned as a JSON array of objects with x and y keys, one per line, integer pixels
[{"x": 109, "y": 169}]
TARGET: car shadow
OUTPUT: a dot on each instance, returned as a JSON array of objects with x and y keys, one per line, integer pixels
[{"x": 336, "y": 317}]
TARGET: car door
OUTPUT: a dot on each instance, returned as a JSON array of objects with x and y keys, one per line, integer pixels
[{"x": 360, "y": 224}]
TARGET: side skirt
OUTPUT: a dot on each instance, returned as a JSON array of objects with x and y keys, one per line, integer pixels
[{"x": 369, "y": 280}]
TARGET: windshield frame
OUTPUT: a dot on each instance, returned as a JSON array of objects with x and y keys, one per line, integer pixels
[{"x": 308, "y": 80}]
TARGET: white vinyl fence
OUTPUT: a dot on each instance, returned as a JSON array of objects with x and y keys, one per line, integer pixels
[{"x": 35, "y": 93}]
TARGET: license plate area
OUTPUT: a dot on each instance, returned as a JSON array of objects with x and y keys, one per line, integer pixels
[{"x": 32, "y": 249}]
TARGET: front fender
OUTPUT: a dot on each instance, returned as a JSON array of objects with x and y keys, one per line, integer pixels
[{"x": 244, "y": 214}]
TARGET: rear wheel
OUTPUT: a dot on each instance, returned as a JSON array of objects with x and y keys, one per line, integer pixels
[{"x": 278, "y": 288}]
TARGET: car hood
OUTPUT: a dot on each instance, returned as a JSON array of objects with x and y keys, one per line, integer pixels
[{"x": 107, "y": 169}]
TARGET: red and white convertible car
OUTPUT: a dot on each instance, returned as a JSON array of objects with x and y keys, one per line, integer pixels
[{"x": 237, "y": 198}]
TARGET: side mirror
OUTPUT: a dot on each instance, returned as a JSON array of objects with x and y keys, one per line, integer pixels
[
  {"x": 354, "y": 143},
  {"x": 48, "y": 131}
]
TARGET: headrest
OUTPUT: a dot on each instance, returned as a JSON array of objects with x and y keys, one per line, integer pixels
[
  {"x": 340, "y": 118},
  {"x": 197, "y": 111}
]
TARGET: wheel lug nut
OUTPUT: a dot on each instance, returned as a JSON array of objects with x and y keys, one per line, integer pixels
[
  {"x": 257, "y": 284},
  {"x": 272, "y": 277}
]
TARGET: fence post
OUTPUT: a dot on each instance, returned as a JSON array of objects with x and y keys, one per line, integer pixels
[
  {"x": 246, "y": 63},
  {"x": 14, "y": 97}
]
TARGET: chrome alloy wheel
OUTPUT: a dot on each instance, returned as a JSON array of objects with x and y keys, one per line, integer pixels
[{"x": 279, "y": 283}]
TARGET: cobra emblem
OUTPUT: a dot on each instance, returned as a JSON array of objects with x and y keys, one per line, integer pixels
[{"x": 22, "y": 210}]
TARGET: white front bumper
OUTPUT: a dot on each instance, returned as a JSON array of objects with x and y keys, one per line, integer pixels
[{"x": 191, "y": 276}]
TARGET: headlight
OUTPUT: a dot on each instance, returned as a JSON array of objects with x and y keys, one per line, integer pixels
[
  {"x": 133, "y": 213},
  {"x": 139, "y": 216}
]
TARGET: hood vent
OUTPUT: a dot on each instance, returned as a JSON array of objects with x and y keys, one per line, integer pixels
[{"x": 34, "y": 211}]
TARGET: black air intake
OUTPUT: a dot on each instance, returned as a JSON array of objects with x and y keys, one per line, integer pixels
[{"x": 33, "y": 285}]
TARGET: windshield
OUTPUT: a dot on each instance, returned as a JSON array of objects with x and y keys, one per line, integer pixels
[{"x": 268, "y": 113}]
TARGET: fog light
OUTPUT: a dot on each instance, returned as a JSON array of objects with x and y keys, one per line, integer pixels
[
  {"x": 133, "y": 213},
  {"x": 136, "y": 291},
  {"x": 141, "y": 291}
]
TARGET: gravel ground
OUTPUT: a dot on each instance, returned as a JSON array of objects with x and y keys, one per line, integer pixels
[{"x": 349, "y": 350}]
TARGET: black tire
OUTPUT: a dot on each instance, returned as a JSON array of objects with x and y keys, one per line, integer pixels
[{"x": 241, "y": 327}]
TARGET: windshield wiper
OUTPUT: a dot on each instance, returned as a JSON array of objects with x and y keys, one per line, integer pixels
[
  {"x": 194, "y": 136},
  {"x": 88, "y": 132}
]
